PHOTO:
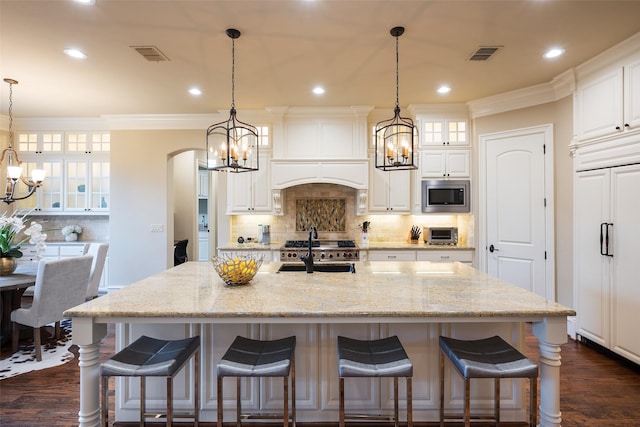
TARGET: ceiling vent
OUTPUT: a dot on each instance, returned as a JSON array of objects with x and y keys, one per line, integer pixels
[
  {"x": 151, "y": 53},
  {"x": 484, "y": 53}
]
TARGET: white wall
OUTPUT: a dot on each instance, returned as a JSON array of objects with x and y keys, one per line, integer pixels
[{"x": 139, "y": 186}]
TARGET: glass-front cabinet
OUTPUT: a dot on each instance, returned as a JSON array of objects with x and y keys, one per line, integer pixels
[{"x": 77, "y": 171}]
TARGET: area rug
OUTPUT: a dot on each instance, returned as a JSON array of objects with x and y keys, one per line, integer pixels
[{"x": 53, "y": 354}]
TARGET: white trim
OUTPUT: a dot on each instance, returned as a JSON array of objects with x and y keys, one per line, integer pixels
[
  {"x": 561, "y": 86},
  {"x": 547, "y": 130}
]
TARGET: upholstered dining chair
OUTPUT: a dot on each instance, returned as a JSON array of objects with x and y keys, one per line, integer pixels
[
  {"x": 60, "y": 285},
  {"x": 99, "y": 253}
]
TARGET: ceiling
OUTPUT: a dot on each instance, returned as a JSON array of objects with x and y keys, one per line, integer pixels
[{"x": 286, "y": 48}]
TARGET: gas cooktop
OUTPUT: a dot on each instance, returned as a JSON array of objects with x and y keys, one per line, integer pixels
[{"x": 320, "y": 243}]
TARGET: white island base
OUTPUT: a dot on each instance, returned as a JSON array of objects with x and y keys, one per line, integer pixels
[{"x": 418, "y": 301}]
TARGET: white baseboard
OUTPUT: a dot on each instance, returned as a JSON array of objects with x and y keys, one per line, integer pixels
[{"x": 571, "y": 327}]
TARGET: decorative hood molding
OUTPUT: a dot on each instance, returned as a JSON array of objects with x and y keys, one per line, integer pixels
[{"x": 351, "y": 173}]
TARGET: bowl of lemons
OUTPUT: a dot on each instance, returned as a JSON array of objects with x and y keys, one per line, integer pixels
[{"x": 237, "y": 269}]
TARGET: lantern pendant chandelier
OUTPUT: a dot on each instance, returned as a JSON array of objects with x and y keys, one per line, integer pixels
[
  {"x": 14, "y": 170},
  {"x": 394, "y": 138},
  {"x": 232, "y": 146}
]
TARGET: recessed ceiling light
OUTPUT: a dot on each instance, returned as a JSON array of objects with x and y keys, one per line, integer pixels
[
  {"x": 444, "y": 89},
  {"x": 318, "y": 90},
  {"x": 89, "y": 2},
  {"x": 195, "y": 91},
  {"x": 553, "y": 53},
  {"x": 75, "y": 53}
]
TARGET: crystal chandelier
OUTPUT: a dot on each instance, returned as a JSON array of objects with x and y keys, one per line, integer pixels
[
  {"x": 14, "y": 170},
  {"x": 232, "y": 145},
  {"x": 394, "y": 138}
]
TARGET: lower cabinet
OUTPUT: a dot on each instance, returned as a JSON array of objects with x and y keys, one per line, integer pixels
[{"x": 434, "y": 255}]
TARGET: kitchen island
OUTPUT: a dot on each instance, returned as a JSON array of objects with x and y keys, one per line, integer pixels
[{"x": 417, "y": 301}]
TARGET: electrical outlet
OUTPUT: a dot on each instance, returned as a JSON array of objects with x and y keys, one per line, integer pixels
[{"x": 156, "y": 228}]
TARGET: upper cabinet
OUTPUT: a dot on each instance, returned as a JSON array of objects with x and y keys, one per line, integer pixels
[
  {"x": 77, "y": 170},
  {"x": 445, "y": 163},
  {"x": 250, "y": 192},
  {"x": 607, "y": 102},
  {"x": 389, "y": 191},
  {"x": 203, "y": 184},
  {"x": 444, "y": 132}
]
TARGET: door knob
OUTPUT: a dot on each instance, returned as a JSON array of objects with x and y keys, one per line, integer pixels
[{"x": 493, "y": 248}]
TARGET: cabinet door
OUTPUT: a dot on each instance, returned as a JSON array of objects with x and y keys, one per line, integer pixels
[
  {"x": 632, "y": 95},
  {"x": 445, "y": 255},
  {"x": 261, "y": 189},
  {"x": 203, "y": 184},
  {"x": 444, "y": 132},
  {"x": 457, "y": 164},
  {"x": 625, "y": 301},
  {"x": 591, "y": 269},
  {"x": 599, "y": 105},
  {"x": 250, "y": 192},
  {"x": 389, "y": 191},
  {"x": 406, "y": 255},
  {"x": 39, "y": 142},
  {"x": 48, "y": 198}
]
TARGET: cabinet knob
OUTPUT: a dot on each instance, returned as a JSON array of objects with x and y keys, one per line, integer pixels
[
  {"x": 627, "y": 125},
  {"x": 617, "y": 127}
]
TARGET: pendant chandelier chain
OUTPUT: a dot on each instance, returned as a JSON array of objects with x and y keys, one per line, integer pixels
[
  {"x": 397, "y": 75},
  {"x": 233, "y": 74},
  {"x": 10, "y": 114}
]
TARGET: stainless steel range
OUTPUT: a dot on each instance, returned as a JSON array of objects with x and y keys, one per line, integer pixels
[{"x": 321, "y": 250}]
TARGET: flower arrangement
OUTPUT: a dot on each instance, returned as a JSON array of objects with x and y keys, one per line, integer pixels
[
  {"x": 365, "y": 226},
  {"x": 10, "y": 227},
  {"x": 70, "y": 232},
  {"x": 67, "y": 230}
]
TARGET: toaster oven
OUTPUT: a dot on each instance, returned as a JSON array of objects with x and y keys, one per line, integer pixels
[{"x": 441, "y": 235}]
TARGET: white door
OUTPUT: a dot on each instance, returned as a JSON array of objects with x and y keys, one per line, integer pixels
[{"x": 516, "y": 202}]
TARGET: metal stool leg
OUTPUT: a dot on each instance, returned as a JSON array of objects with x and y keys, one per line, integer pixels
[
  {"x": 293, "y": 391},
  {"x": 220, "y": 409},
  {"x": 441, "y": 389},
  {"x": 467, "y": 403},
  {"x": 533, "y": 397},
  {"x": 395, "y": 401},
  {"x": 341, "y": 402},
  {"x": 196, "y": 392},
  {"x": 169, "y": 401},
  {"x": 285, "y": 410},
  {"x": 497, "y": 400},
  {"x": 105, "y": 401},
  {"x": 142, "y": 400},
  {"x": 409, "y": 402},
  {"x": 238, "y": 404}
]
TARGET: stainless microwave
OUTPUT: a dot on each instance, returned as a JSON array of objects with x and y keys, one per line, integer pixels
[{"x": 446, "y": 195}]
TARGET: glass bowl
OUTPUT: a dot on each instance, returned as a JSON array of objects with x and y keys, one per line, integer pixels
[{"x": 237, "y": 269}]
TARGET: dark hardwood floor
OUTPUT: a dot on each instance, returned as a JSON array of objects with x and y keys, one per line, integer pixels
[{"x": 597, "y": 390}]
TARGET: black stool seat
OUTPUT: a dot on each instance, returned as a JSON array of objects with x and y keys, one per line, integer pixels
[
  {"x": 259, "y": 358},
  {"x": 150, "y": 357},
  {"x": 255, "y": 358},
  {"x": 383, "y": 357},
  {"x": 375, "y": 358},
  {"x": 487, "y": 358}
]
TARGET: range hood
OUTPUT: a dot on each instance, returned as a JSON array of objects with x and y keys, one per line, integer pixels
[{"x": 288, "y": 173}]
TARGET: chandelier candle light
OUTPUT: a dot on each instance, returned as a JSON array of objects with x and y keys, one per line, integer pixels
[
  {"x": 14, "y": 170},
  {"x": 232, "y": 145},
  {"x": 394, "y": 138}
]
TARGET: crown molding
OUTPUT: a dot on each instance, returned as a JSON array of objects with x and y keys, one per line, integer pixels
[
  {"x": 614, "y": 56},
  {"x": 561, "y": 86}
]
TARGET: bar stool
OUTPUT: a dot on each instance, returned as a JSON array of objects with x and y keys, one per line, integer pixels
[
  {"x": 486, "y": 358},
  {"x": 150, "y": 357},
  {"x": 255, "y": 358},
  {"x": 375, "y": 358}
]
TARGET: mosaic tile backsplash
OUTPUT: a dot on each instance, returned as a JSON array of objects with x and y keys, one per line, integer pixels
[{"x": 324, "y": 214}]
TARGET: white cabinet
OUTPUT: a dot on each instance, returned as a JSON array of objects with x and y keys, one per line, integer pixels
[
  {"x": 608, "y": 102},
  {"x": 77, "y": 171},
  {"x": 250, "y": 192},
  {"x": 445, "y": 255},
  {"x": 203, "y": 245},
  {"x": 203, "y": 184},
  {"x": 389, "y": 191},
  {"x": 444, "y": 132},
  {"x": 606, "y": 235},
  {"x": 445, "y": 163},
  {"x": 391, "y": 255}
]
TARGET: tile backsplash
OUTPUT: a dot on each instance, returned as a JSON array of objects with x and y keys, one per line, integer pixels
[
  {"x": 94, "y": 228},
  {"x": 383, "y": 227}
]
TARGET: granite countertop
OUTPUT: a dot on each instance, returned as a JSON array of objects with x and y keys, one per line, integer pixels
[
  {"x": 420, "y": 289},
  {"x": 373, "y": 245}
]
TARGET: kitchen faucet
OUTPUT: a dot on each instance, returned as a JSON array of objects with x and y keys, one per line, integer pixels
[{"x": 308, "y": 260}]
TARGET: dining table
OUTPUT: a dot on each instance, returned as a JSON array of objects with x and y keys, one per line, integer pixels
[{"x": 12, "y": 288}]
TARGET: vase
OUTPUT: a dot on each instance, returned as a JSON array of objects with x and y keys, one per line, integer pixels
[
  {"x": 365, "y": 240},
  {"x": 71, "y": 237},
  {"x": 7, "y": 265}
]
